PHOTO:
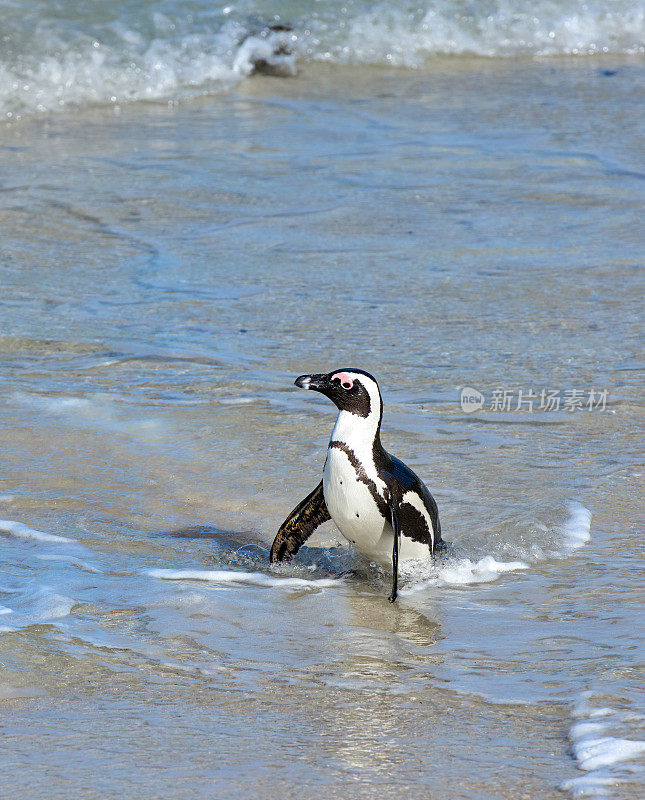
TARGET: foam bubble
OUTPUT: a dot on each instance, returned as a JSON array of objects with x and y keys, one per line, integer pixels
[
  {"x": 390, "y": 33},
  {"x": 460, "y": 572},
  {"x": 75, "y": 561},
  {"x": 52, "y": 606},
  {"x": 37, "y": 603},
  {"x": 591, "y": 785},
  {"x": 596, "y": 753},
  {"x": 586, "y": 729},
  {"x": 576, "y": 530},
  {"x": 236, "y": 401},
  {"x": 21, "y": 531},
  {"x": 230, "y": 576},
  {"x": 487, "y": 569}
]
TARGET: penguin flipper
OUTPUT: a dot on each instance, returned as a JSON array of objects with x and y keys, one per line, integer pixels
[{"x": 299, "y": 525}]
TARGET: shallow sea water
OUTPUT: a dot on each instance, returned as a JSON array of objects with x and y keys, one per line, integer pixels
[{"x": 166, "y": 274}]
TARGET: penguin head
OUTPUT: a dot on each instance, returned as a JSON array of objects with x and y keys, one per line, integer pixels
[{"x": 351, "y": 390}]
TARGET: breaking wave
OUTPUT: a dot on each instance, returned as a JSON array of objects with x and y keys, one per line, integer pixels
[{"x": 61, "y": 53}]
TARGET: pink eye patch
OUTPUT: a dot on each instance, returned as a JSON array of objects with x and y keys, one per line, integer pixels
[{"x": 346, "y": 381}]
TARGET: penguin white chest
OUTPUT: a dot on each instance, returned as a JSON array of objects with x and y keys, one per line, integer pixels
[{"x": 350, "y": 500}]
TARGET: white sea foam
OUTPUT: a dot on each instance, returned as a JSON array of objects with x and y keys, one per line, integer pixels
[
  {"x": 71, "y": 560},
  {"x": 35, "y": 603},
  {"x": 594, "y": 784},
  {"x": 584, "y": 711},
  {"x": 419, "y": 575},
  {"x": 53, "y": 59},
  {"x": 78, "y": 406},
  {"x": 577, "y": 529},
  {"x": 583, "y": 730},
  {"x": 79, "y": 64},
  {"x": 73, "y": 404},
  {"x": 483, "y": 571},
  {"x": 605, "y": 751},
  {"x": 51, "y": 605},
  {"x": 7, "y": 498},
  {"x": 389, "y": 33},
  {"x": 13, "y": 692},
  {"x": 99, "y": 409},
  {"x": 595, "y": 752},
  {"x": 236, "y": 401},
  {"x": 21, "y": 531},
  {"x": 231, "y": 576}
]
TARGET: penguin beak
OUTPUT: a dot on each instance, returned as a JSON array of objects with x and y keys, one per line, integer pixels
[{"x": 318, "y": 383}]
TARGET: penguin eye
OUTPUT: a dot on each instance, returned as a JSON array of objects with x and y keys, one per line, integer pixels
[{"x": 344, "y": 380}]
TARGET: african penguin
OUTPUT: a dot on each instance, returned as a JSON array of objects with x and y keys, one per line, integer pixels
[{"x": 377, "y": 502}]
